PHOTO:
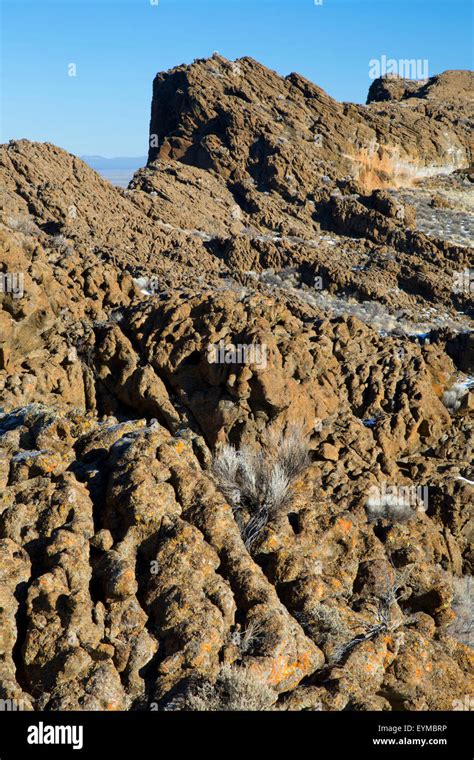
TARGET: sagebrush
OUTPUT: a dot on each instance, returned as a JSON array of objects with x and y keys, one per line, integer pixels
[
  {"x": 257, "y": 484},
  {"x": 234, "y": 689},
  {"x": 452, "y": 398},
  {"x": 462, "y": 628}
]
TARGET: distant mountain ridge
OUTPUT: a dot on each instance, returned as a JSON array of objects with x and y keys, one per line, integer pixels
[{"x": 119, "y": 162}]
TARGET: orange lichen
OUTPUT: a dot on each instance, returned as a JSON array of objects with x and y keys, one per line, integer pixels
[
  {"x": 282, "y": 670},
  {"x": 207, "y": 649},
  {"x": 272, "y": 542},
  {"x": 345, "y": 525}
]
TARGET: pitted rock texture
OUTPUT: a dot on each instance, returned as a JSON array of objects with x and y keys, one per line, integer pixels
[{"x": 268, "y": 216}]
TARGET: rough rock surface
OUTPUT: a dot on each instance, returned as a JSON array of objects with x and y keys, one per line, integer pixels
[
  {"x": 268, "y": 215},
  {"x": 247, "y": 123}
]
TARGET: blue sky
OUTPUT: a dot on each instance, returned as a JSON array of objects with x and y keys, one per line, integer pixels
[{"x": 119, "y": 45}]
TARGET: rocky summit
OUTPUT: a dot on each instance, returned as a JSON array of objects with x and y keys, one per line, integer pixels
[{"x": 236, "y": 404}]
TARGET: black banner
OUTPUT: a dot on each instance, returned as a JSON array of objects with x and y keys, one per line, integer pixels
[{"x": 134, "y": 734}]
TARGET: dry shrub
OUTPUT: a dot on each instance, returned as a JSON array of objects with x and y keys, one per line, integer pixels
[
  {"x": 258, "y": 483},
  {"x": 463, "y": 605},
  {"x": 234, "y": 689},
  {"x": 23, "y": 224},
  {"x": 452, "y": 398}
]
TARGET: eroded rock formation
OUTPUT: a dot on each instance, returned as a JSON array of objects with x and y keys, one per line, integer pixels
[{"x": 268, "y": 215}]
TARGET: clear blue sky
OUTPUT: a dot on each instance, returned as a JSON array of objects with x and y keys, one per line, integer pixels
[{"x": 119, "y": 45}]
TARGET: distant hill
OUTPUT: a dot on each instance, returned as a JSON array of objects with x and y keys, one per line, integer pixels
[{"x": 121, "y": 162}]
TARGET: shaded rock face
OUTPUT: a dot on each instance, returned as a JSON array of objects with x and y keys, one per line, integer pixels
[{"x": 244, "y": 286}]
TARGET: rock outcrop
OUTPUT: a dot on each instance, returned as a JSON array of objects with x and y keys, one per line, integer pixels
[
  {"x": 251, "y": 125},
  {"x": 270, "y": 219}
]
